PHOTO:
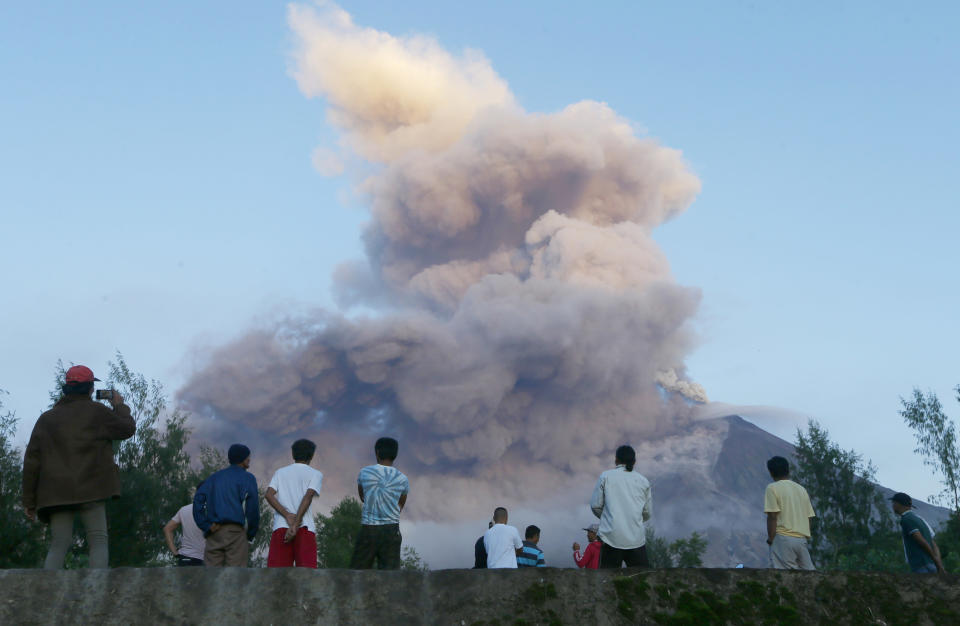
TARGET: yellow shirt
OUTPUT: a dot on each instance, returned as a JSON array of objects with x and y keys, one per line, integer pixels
[{"x": 792, "y": 505}]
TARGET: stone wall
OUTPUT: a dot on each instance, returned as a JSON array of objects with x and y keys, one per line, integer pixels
[{"x": 461, "y": 597}]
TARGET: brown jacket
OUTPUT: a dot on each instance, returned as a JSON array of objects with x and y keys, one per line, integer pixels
[{"x": 69, "y": 459}]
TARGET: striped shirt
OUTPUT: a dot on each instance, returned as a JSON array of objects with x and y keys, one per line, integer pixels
[
  {"x": 530, "y": 556},
  {"x": 382, "y": 487}
]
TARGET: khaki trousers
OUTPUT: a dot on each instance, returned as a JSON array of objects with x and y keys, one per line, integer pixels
[
  {"x": 790, "y": 553},
  {"x": 227, "y": 547}
]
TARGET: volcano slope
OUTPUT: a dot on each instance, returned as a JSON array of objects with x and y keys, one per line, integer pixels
[{"x": 710, "y": 478}]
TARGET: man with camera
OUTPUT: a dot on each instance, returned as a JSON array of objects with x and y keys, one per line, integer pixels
[{"x": 68, "y": 467}]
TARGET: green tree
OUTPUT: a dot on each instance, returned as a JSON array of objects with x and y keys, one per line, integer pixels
[
  {"x": 936, "y": 437},
  {"x": 689, "y": 552},
  {"x": 21, "y": 541},
  {"x": 337, "y": 533},
  {"x": 684, "y": 552},
  {"x": 411, "y": 560},
  {"x": 854, "y": 528}
]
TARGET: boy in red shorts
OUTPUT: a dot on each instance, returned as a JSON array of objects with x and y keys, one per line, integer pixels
[{"x": 291, "y": 491}]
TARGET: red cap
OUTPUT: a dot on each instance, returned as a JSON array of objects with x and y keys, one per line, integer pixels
[{"x": 80, "y": 374}]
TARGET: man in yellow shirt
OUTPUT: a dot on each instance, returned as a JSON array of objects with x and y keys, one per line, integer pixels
[{"x": 788, "y": 510}]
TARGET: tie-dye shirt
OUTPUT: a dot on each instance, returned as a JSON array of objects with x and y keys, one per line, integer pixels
[{"x": 382, "y": 487}]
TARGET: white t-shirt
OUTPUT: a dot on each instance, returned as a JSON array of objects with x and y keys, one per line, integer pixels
[
  {"x": 290, "y": 483},
  {"x": 502, "y": 543},
  {"x": 191, "y": 541}
]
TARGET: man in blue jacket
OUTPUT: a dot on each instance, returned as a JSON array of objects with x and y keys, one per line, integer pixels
[{"x": 226, "y": 508}]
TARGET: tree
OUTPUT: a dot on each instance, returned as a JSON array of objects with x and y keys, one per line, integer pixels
[
  {"x": 937, "y": 442},
  {"x": 411, "y": 560},
  {"x": 337, "y": 533},
  {"x": 853, "y": 529},
  {"x": 686, "y": 552},
  {"x": 689, "y": 552},
  {"x": 21, "y": 541},
  {"x": 936, "y": 438}
]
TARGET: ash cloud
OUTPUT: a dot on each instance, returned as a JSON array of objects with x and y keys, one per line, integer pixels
[{"x": 524, "y": 322}]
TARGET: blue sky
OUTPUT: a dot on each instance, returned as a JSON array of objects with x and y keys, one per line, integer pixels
[{"x": 157, "y": 194}]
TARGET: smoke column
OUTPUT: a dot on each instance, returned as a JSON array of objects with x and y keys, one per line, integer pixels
[{"x": 522, "y": 321}]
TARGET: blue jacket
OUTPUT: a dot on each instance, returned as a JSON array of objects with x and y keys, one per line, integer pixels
[{"x": 228, "y": 497}]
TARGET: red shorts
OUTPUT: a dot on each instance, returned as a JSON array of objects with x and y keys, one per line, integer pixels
[{"x": 301, "y": 552}]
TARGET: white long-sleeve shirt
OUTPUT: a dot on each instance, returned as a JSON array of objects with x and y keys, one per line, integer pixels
[{"x": 622, "y": 501}]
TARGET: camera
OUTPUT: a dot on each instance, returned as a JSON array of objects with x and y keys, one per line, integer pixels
[{"x": 104, "y": 394}]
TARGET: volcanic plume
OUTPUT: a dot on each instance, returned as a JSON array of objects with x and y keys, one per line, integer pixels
[{"x": 520, "y": 321}]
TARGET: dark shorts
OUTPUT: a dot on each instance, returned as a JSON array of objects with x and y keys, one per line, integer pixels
[
  {"x": 611, "y": 557},
  {"x": 377, "y": 543}
]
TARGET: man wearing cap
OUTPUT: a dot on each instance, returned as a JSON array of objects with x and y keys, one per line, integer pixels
[
  {"x": 919, "y": 548},
  {"x": 68, "y": 468},
  {"x": 590, "y": 559},
  {"x": 226, "y": 508}
]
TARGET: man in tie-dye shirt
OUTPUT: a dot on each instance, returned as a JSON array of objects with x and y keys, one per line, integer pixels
[{"x": 383, "y": 490}]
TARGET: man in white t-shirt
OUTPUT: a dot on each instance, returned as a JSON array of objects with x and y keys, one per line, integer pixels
[
  {"x": 192, "y": 542},
  {"x": 291, "y": 492},
  {"x": 502, "y": 542}
]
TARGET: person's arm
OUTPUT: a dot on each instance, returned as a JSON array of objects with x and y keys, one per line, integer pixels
[
  {"x": 298, "y": 518},
  {"x": 933, "y": 551},
  {"x": 771, "y": 527},
  {"x": 647, "y": 504},
  {"x": 118, "y": 423},
  {"x": 360, "y": 491},
  {"x": 201, "y": 509},
  {"x": 402, "y": 501},
  {"x": 517, "y": 542},
  {"x": 271, "y": 497},
  {"x": 168, "y": 535},
  {"x": 252, "y": 507},
  {"x": 541, "y": 562},
  {"x": 31, "y": 472},
  {"x": 596, "y": 501},
  {"x": 577, "y": 557}
]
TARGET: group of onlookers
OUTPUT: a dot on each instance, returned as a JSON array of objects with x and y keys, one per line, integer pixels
[{"x": 68, "y": 472}]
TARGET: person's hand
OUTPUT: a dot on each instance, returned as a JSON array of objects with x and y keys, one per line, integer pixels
[
  {"x": 116, "y": 400},
  {"x": 576, "y": 546},
  {"x": 769, "y": 541},
  {"x": 31, "y": 514},
  {"x": 291, "y": 520},
  {"x": 290, "y": 535},
  {"x": 214, "y": 527}
]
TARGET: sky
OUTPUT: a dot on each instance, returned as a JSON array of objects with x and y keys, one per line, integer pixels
[{"x": 158, "y": 196}]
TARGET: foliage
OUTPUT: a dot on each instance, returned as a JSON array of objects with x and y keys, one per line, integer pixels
[
  {"x": 937, "y": 441},
  {"x": 21, "y": 542},
  {"x": 853, "y": 528},
  {"x": 684, "y": 552},
  {"x": 689, "y": 552},
  {"x": 411, "y": 560},
  {"x": 337, "y": 533}
]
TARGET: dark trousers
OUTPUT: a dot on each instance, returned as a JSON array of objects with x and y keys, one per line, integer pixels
[
  {"x": 612, "y": 558},
  {"x": 377, "y": 543}
]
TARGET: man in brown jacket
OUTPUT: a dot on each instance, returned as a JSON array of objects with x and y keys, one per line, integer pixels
[{"x": 68, "y": 467}]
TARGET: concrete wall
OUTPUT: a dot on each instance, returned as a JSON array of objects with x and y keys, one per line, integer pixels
[{"x": 461, "y": 597}]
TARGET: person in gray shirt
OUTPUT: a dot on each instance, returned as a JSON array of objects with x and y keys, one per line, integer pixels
[{"x": 622, "y": 500}]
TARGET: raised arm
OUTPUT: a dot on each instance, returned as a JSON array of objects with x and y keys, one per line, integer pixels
[{"x": 118, "y": 423}]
